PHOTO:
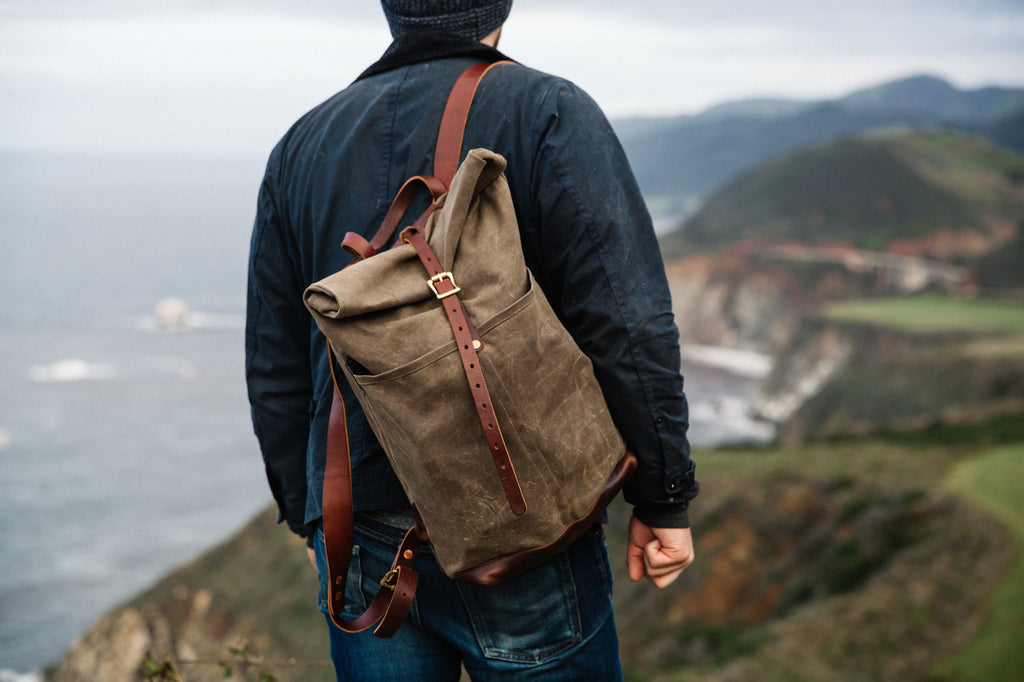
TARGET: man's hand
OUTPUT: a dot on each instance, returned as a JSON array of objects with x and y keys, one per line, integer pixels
[
  {"x": 660, "y": 554},
  {"x": 312, "y": 556}
]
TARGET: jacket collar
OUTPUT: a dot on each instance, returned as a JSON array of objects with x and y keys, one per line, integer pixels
[{"x": 413, "y": 48}]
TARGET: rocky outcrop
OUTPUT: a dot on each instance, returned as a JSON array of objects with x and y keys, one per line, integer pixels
[
  {"x": 183, "y": 627},
  {"x": 830, "y": 378},
  {"x": 246, "y": 607},
  {"x": 814, "y": 355},
  {"x": 93, "y": 656},
  {"x": 714, "y": 306},
  {"x": 726, "y": 299}
]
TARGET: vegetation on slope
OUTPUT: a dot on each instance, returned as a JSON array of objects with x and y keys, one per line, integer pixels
[
  {"x": 868, "y": 192},
  {"x": 849, "y": 560},
  {"x": 932, "y": 314},
  {"x": 995, "y": 482},
  {"x": 902, "y": 363},
  {"x": 902, "y": 572}
]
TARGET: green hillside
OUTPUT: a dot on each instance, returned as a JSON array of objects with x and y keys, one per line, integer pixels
[
  {"x": 911, "y": 362},
  {"x": 870, "y": 192},
  {"x": 933, "y": 314},
  {"x": 859, "y": 560}
]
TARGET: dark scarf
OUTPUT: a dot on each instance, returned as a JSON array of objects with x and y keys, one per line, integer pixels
[{"x": 413, "y": 48}]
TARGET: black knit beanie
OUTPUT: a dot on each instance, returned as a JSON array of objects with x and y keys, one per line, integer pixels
[{"x": 469, "y": 18}]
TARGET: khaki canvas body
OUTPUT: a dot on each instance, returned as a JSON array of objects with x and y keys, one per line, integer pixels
[{"x": 397, "y": 350}]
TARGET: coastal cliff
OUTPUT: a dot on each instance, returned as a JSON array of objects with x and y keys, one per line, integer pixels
[
  {"x": 923, "y": 231},
  {"x": 817, "y": 560}
]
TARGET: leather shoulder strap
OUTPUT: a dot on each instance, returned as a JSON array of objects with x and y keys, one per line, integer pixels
[
  {"x": 447, "y": 154},
  {"x": 453, "y": 121}
]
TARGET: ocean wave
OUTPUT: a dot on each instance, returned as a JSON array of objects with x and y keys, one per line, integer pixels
[
  {"x": 68, "y": 370},
  {"x": 142, "y": 368},
  {"x": 14, "y": 676},
  {"x": 743, "y": 362},
  {"x": 724, "y": 420}
]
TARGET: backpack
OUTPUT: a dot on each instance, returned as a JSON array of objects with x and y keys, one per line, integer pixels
[{"x": 488, "y": 411}]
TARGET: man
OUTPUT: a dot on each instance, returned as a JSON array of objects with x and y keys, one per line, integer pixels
[{"x": 587, "y": 238}]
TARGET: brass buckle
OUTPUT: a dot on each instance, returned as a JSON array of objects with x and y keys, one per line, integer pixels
[
  {"x": 440, "y": 277},
  {"x": 390, "y": 579}
]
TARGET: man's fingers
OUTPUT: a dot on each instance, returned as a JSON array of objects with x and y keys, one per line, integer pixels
[
  {"x": 635, "y": 562},
  {"x": 636, "y": 559},
  {"x": 660, "y": 554},
  {"x": 661, "y": 567},
  {"x": 664, "y": 579},
  {"x": 312, "y": 556},
  {"x": 661, "y": 559}
]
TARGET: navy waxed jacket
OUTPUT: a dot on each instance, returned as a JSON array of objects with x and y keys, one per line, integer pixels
[{"x": 586, "y": 235}]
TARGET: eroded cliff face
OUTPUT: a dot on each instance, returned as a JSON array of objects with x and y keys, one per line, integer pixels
[
  {"x": 814, "y": 354},
  {"x": 714, "y": 305},
  {"x": 248, "y": 604},
  {"x": 183, "y": 625},
  {"x": 725, "y": 299},
  {"x": 830, "y": 378}
]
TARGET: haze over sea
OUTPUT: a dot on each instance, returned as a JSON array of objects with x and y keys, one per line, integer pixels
[{"x": 125, "y": 449}]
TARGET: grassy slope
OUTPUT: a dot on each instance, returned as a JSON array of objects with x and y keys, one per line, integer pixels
[
  {"x": 931, "y": 314},
  {"x": 995, "y": 482},
  {"x": 865, "y": 191},
  {"x": 919, "y": 360},
  {"x": 924, "y": 601},
  {"x": 882, "y": 571}
]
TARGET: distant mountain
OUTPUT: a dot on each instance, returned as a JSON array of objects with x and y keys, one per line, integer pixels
[
  {"x": 1007, "y": 130},
  {"x": 934, "y": 99},
  {"x": 678, "y": 160},
  {"x": 878, "y": 192}
]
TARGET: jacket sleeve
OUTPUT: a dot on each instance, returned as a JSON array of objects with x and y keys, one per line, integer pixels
[
  {"x": 602, "y": 269},
  {"x": 277, "y": 362}
]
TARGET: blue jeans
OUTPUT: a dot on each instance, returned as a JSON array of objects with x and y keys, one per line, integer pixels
[{"x": 553, "y": 622}]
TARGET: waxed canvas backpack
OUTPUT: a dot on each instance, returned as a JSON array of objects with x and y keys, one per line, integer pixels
[{"x": 488, "y": 411}]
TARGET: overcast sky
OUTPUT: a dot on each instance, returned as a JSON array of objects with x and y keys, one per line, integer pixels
[{"x": 229, "y": 76}]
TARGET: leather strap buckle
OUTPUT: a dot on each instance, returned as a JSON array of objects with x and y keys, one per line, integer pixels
[
  {"x": 390, "y": 579},
  {"x": 440, "y": 277}
]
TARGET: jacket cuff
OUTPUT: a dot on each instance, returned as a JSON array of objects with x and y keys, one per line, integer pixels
[
  {"x": 664, "y": 516},
  {"x": 303, "y": 530}
]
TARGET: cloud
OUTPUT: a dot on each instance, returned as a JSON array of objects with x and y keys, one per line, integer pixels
[
  {"x": 187, "y": 75},
  {"x": 210, "y": 80},
  {"x": 683, "y": 56}
]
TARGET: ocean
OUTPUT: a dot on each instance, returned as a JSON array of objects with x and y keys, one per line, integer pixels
[{"x": 126, "y": 448}]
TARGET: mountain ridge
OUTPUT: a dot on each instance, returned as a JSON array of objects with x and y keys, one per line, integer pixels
[{"x": 680, "y": 160}]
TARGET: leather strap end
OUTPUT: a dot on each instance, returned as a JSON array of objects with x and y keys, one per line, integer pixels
[
  {"x": 357, "y": 245},
  {"x": 400, "y": 604}
]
